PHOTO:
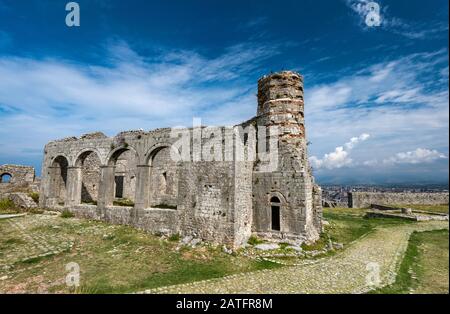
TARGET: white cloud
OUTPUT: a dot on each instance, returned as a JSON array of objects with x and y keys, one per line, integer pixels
[
  {"x": 399, "y": 102},
  {"x": 420, "y": 155},
  {"x": 355, "y": 140},
  {"x": 340, "y": 157},
  {"x": 57, "y": 98}
]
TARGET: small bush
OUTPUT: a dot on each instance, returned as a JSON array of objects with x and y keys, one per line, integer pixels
[
  {"x": 253, "y": 240},
  {"x": 67, "y": 214},
  {"x": 6, "y": 204},
  {"x": 123, "y": 202},
  {"x": 89, "y": 202},
  {"x": 34, "y": 196},
  {"x": 35, "y": 211},
  {"x": 175, "y": 237}
]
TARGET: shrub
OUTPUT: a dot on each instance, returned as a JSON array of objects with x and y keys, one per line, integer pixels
[
  {"x": 123, "y": 202},
  {"x": 34, "y": 196},
  {"x": 175, "y": 237},
  {"x": 6, "y": 204},
  {"x": 253, "y": 240},
  {"x": 67, "y": 214}
]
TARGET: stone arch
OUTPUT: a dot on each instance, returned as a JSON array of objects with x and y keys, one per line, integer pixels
[
  {"x": 155, "y": 149},
  {"x": 6, "y": 177},
  {"x": 87, "y": 162},
  {"x": 115, "y": 154},
  {"x": 124, "y": 161},
  {"x": 163, "y": 176},
  {"x": 60, "y": 155},
  {"x": 81, "y": 153},
  {"x": 58, "y": 179},
  {"x": 277, "y": 194}
]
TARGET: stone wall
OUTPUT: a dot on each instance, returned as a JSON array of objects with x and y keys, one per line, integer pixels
[
  {"x": 19, "y": 174},
  {"x": 214, "y": 199},
  {"x": 365, "y": 199},
  {"x": 22, "y": 180}
]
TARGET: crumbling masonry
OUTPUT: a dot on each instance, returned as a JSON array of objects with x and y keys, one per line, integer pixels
[{"x": 223, "y": 201}]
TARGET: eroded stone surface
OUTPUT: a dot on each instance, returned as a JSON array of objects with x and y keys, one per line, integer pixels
[{"x": 208, "y": 197}]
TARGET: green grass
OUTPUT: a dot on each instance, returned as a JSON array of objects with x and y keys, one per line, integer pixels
[
  {"x": 254, "y": 240},
  {"x": 175, "y": 237},
  {"x": 430, "y": 208},
  {"x": 425, "y": 267},
  {"x": 121, "y": 259},
  {"x": 347, "y": 226},
  {"x": 7, "y": 207},
  {"x": 34, "y": 196},
  {"x": 117, "y": 259},
  {"x": 67, "y": 214},
  {"x": 123, "y": 202}
]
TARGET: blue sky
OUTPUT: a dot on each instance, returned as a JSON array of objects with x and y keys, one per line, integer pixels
[{"x": 376, "y": 97}]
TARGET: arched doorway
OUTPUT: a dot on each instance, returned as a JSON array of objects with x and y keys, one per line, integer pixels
[
  {"x": 275, "y": 205},
  {"x": 89, "y": 164},
  {"x": 163, "y": 185},
  {"x": 5, "y": 178},
  {"x": 124, "y": 163},
  {"x": 58, "y": 180}
]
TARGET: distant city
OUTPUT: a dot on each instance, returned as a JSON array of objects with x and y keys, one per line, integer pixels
[{"x": 338, "y": 194}]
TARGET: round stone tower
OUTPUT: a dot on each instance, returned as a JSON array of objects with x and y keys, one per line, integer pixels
[
  {"x": 287, "y": 202},
  {"x": 280, "y": 104}
]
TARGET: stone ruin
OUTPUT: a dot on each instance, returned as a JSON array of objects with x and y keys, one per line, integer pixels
[
  {"x": 133, "y": 179},
  {"x": 366, "y": 199},
  {"x": 16, "y": 183},
  {"x": 16, "y": 174}
]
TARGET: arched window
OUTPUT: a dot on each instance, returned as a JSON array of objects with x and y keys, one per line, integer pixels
[
  {"x": 5, "y": 178},
  {"x": 275, "y": 205}
]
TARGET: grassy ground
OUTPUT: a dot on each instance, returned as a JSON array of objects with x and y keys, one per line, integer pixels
[
  {"x": 430, "y": 208},
  {"x": 119, "y": 259},
  {"x": 115, "y": 259},
  {"x": 348, "y": 224},
  {"x": 425, "y": 267},
  {"x": 7, "y": 207}
]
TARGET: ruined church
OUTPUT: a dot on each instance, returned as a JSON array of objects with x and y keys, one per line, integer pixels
[{"x": 133, "y": 179}]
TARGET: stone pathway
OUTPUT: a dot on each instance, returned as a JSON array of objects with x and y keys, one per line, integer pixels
[
  {"x": 346, "y": 272},
  {"x": 33, "y": 243}
]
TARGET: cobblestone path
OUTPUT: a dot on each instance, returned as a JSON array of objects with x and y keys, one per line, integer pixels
[
  {"x": 346, "y": 272},
  {"x": 27, "y": 241}
]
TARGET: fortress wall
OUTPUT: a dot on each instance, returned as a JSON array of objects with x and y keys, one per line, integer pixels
[
  {"x": 364, "y": 199},
  {"x": 209, "y": 195},
  {"x": 19, "y": 174}
]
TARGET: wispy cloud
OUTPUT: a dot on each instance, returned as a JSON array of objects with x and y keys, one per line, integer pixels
[
  {"x": 402, "y": 103},
  {"x": 420, "y": 155},
  {"x": 58, "y": 98}
]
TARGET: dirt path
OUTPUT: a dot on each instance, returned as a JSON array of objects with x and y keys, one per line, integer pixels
[{"x": 346, "y": 272}]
